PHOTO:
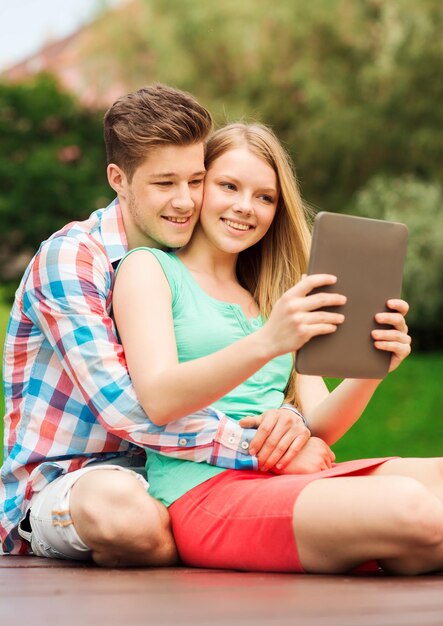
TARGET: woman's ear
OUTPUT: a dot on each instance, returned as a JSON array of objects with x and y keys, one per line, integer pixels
[{"x": 117, "y": 180}]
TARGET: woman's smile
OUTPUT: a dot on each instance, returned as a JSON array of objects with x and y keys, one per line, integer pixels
[{"x": 240, "y": 227}]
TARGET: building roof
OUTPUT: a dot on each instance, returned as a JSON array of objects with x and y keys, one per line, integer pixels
[{"x": 75, "y": 63}]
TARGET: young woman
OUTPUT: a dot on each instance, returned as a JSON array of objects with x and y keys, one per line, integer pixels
[{"x": 218, "y": 323}]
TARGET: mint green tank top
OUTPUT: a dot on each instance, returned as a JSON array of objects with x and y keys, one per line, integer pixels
[{"x": 203, "y": 325}]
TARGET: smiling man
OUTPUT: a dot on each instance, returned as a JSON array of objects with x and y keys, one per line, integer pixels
[{"x": 72, "y": 484}]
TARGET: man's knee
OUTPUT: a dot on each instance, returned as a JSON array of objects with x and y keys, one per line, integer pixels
[
  {"x": 113, "y": 513},
  {"x": 97, "y": 494}
]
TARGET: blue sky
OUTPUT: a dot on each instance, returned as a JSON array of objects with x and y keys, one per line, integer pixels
[{"x": 26, "y": 25}]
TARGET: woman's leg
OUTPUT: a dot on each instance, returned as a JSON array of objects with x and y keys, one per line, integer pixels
[
  {"x": 429, "y": 472},
  {"x": 340, "y": 523}
]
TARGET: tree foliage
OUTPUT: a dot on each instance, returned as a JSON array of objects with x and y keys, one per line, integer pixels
[
  {"x": 353, "y": 88},
  {"x": 51, "y": 165},
  {"x": 419, "y": 205}
]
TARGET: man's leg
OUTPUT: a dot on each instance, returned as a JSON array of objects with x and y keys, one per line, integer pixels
[
  {"x": 121, "y": 523},
  {"x": 342, "y": 522},
  {"x": 103, "y": 512}
]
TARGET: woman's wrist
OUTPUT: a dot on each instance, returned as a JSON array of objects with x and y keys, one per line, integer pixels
[
  {"x": 291, "y": 407},
  {"x": 265, "y": 344}
]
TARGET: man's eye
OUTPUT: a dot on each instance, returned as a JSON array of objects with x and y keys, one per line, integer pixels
[
  {"x": 196, "y": 182},
  {"x": 163, "y": 183}
]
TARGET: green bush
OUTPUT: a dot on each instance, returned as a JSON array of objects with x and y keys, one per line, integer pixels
[
  {"x": 419, "y": 205},
  {"x": 51, "y": 166}
]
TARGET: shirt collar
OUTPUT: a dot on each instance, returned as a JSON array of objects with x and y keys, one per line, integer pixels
[{"x": 113, "y": 231}]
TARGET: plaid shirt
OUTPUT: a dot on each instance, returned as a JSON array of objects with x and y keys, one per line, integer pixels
[{"x": 69, "y": 398}]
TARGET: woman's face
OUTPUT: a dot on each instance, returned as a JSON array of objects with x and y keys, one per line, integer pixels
[{"x": 240, "y": 200}]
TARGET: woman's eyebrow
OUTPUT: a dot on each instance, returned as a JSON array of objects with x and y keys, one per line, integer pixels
[{"x": 237, "y": 180}]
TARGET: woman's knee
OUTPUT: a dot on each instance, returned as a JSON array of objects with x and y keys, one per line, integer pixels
[
  {"x": 437, "y": 468},
  {"x": 416, "y": 513}
]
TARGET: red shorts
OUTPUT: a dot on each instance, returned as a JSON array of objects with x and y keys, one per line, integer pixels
[{"x": 243, "y": 519}]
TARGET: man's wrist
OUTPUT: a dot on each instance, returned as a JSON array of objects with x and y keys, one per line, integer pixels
[
  {"x": 231, "y": 446},
  {"x": 291, "y": 407}
]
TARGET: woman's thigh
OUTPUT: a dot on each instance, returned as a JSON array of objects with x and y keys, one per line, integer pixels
[
  {"x": 342, "y": 522},
  {"x": 239, "y": 520},
  {"x": 428, "y": 471}
]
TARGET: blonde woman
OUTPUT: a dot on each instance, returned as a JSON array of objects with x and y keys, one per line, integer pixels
[{"x": 217, "y": 323}]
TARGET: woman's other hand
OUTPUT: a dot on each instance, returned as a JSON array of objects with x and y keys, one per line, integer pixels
[
  {"x": 395, "y": 339},
  {"x": 315, "y": 456}
]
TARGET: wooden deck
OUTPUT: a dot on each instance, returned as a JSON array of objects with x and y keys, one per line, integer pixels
[{"x": 42, "y": 591}]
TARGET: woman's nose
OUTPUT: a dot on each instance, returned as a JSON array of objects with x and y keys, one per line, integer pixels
[{"x": 243, "y": 205}]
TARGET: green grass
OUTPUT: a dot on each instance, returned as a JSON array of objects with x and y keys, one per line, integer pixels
[{"x": 405, "y": 416}]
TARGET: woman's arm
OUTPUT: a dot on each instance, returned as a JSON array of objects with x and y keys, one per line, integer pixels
[
  {"x": 331, "y": 415},
  {"x": 168, "y": 390}
]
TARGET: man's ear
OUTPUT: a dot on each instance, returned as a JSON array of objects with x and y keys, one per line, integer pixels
[{"x": 117, "y": 179}]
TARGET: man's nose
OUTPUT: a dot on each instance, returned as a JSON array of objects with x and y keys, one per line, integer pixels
[{"x": 183, "y": 199}]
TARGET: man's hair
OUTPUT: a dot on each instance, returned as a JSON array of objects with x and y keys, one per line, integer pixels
[{"x": 150, "y": 117}]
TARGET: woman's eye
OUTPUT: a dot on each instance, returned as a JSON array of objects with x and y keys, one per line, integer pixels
[
  {"x": 267, "y": 199},
  {"x": 229, "y": 186}
]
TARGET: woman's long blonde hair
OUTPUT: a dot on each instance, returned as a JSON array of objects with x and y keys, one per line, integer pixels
[{"x": 276, "y": 263}]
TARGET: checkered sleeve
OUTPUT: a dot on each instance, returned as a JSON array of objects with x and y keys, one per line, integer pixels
[{"x": 67, "y": 296}]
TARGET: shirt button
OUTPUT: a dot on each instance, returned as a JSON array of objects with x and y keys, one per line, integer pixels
[
  {"x": 182, "y": 442},
  {"x": 255, "y": 323},
  {"x": 245, "y": 445},
  {"x": 231, "y": 439}
]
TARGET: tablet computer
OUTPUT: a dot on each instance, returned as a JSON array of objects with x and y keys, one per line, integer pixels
[{"x": 367, "y": 256}]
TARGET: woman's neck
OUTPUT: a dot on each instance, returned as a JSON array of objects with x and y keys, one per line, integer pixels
[
  {"x": 215, "y": 272},
  {"x": 200, "y": 256}
]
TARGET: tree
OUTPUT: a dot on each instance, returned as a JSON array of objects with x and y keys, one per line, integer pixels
[
  {"x": 51, "y": 166},
  {"x": 351, "y": 87},
  {"x": 419, "y": 205}
]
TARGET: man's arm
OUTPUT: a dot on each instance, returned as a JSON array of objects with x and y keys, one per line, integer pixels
[{"x": 67, "y": 296}]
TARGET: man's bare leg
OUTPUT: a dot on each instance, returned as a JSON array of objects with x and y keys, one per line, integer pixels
[
  {"x": 121, "y": 523},
  {"x": 340, "y": 523}
]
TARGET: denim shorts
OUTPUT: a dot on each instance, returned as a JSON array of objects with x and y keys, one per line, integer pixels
[{"x": 48, "y": 526}]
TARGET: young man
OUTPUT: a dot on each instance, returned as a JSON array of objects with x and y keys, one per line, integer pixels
[{"x": 72, "y": 483}]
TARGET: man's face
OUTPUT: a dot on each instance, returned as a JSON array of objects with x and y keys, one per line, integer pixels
[{"x": 161, "y": 204}]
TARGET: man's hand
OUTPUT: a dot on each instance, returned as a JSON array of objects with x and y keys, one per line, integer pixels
[
  {"x": 315, "y": 456},
  {"x": 281, "y": 434}
]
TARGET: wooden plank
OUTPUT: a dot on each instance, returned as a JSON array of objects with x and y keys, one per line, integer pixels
[
  {"x": 11, "y": 562},
  {"x": 67, "y": 593}
]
